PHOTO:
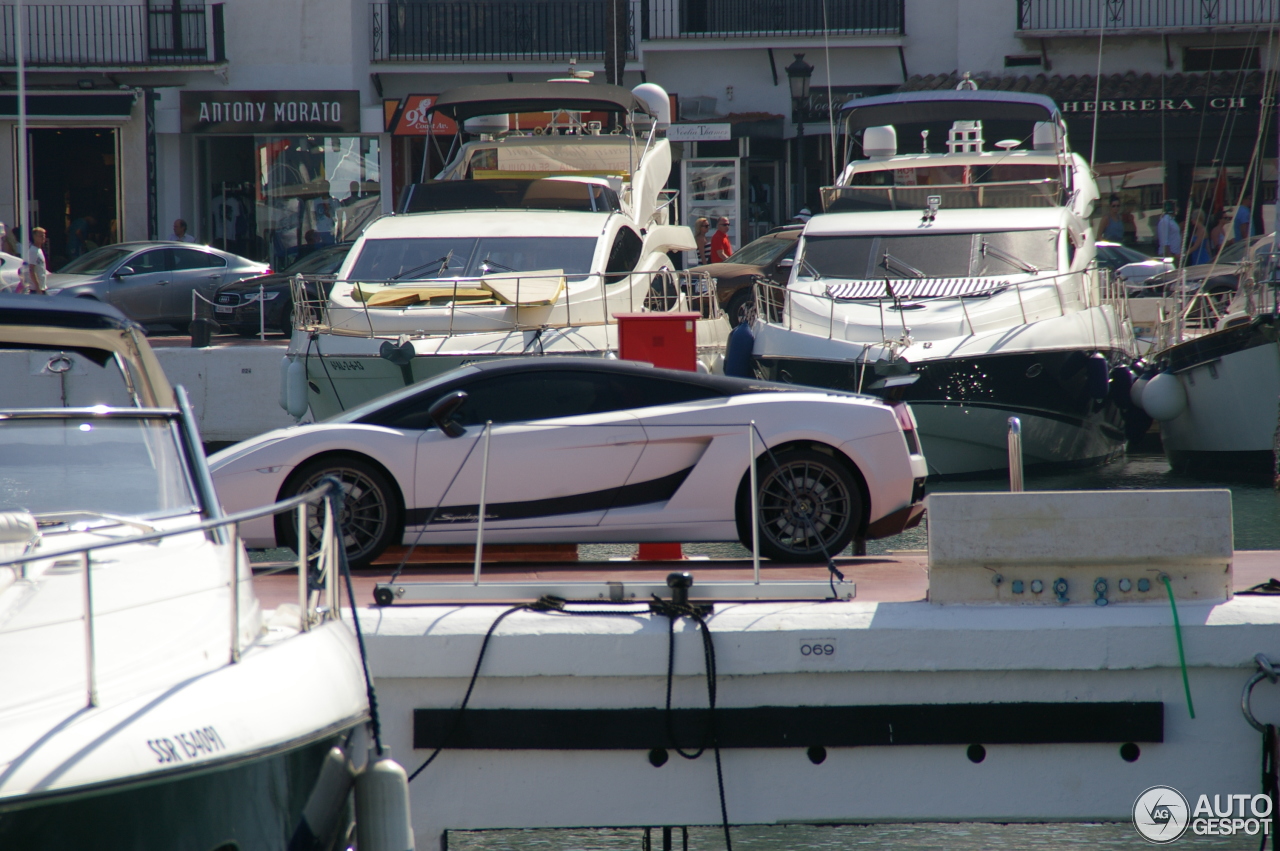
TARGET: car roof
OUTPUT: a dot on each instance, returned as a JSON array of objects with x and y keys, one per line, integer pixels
[{"x": 726, "y": 384}]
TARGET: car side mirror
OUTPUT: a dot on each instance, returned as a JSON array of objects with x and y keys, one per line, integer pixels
[
  {"x": 786, "y": 262},
  {"x": 442, "y": 410},
  {"x": 124, "y": 272}
]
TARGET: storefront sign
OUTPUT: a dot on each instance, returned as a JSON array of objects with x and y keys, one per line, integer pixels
[
  {"x": 700, "y": 132},
  {"x": 267, "y": 112},
  {"x": 411, "y": 117},
  {"x": 1193, "y": 104}
]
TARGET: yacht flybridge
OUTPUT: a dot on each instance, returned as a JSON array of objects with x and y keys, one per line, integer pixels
[
  {"x": 962, "y": 280},
  {"x": 530, "y": 242}
]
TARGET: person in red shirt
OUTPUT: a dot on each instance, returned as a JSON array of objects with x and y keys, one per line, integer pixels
[{"x": 720, "y": 247}]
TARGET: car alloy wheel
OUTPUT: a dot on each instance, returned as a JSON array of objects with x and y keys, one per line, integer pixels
[
  {"x": 369, "y": 514},
  {"x": 809, "y": 506},
  {"x": 741, "y": 308}
]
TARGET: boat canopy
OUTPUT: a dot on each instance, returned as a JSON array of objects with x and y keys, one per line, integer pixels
[
  {"x": 504, "y": 98},
  {"x": 948, "y": 105}
]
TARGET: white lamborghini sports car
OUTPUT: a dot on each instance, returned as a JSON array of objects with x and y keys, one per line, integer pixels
[{"x": 587, "y": 450}]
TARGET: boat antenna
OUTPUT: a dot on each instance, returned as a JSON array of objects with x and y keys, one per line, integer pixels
[
  {"x": 1097, "y": 90},
  {"x": 831, "y": 115}
]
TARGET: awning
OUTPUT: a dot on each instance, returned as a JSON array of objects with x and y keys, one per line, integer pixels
[
  {"x": 71, "y": 104},
  {"x": 504, "y": 98}
]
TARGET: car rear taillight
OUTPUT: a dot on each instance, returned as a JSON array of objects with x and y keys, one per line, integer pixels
[{"x": 907, "y": 421}]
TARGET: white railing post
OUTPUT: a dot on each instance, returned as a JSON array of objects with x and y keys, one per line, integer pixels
[
  {"x": 1015, "y": 454},
  {"x": 262, "y": 312},
  {"x": 755, "y": 508},
  {"x": 484, "y": 477},
  {"x": 304, "y": 593},
  {"x": 234, "y": 549},
  {"x": 89, "y": 661},
  {"x": 330, "y": 580}
]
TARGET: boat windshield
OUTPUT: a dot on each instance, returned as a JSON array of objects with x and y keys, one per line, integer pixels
[
  {"x": 936, "y": 255},
  {"x": 419, "y": 258},
  {"x": 94, "y": 464}
]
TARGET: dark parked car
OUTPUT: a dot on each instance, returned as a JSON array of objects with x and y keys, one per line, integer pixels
[
  {"x": 768, "y": 257},
  {"x": 152, "y": 282},
  {"x": 236, "y": 305}
]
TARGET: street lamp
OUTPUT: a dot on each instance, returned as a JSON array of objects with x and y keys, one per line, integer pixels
[{"x": 798, "y": 74}]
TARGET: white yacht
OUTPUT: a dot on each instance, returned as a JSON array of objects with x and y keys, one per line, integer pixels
[
  {"x": 1215, "y": 391},
  {"x": 530, "y": 242},
  {"x": 963, "y": 281},
  {"x": 148, "y": 702}
]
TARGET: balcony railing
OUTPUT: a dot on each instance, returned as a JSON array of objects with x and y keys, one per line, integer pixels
[
  {"x": 717, "y": 19},
  {"x": 1082, "y": 16},
  {"x": 474, "y": 30},
  {"x": 114, "y": 36}
]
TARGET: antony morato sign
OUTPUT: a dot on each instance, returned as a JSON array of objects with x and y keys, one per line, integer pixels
[{"x": 271, "y": 112}]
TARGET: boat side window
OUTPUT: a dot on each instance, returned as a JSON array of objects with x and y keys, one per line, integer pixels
[
  {"x": 525, "y": 397},
  {"x": 624, "y": 255},
  {"x": 1071, "y": 248}
]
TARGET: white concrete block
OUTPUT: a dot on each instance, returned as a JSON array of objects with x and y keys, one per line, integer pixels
[
  {"x": 234, "y": 390},
  {"x": 992, "y": 547}
]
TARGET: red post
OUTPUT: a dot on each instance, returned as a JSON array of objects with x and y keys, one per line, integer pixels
[{"x": 670, "y": 341}]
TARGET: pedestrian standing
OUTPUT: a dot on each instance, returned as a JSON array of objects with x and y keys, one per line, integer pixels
[
  {"x": 1168, "y": 234},
  {"x": 702, "y": 240},
  {"x": 1197, "y": 240},
  {"x": 180, "y": 232},
  {"x": 36, "y": 270},
  {"x": 720, "y": 247},
  {"x": 1244, "y": 218},
  {"x": 1111, "y": 227}
]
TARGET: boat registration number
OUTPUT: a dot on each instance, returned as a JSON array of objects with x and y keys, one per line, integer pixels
[
  {"x": 818, "y": 648},
  {"x": 347, "y": 365}
]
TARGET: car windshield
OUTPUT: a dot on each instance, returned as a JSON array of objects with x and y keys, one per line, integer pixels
[
  {"x": 326, "y": 262},
  {"x": 939, "y": 255},
  {"x": 763, "y": 251},
  {"x": 96, "y": 261},
  {"x": 1120, "y": 255},
  {"x": 470, "y": 257},
  {"x": 118, "y": 465}
]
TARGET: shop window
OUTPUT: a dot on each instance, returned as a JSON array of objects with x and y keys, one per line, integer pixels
[{"x": 1220, "y": 59}]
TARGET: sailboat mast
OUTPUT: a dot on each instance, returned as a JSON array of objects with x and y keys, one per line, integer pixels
[{"x": 19, "y": 12}]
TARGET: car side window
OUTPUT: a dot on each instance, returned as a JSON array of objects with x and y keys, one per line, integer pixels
[
  {"x": 182, "y": 259},
  {"x": 624, "y": 255},
  {"x": 642, "y": 391},
  {"x": 523, "y": 397},
  {"x": 148, "y": 262}
]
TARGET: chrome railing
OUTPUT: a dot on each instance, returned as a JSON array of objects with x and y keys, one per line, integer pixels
[
  {"x": 669, "y": 290},
  {"x": 773, "y": 303},
  {"x": 314, "y": 606},
  {"x": 1046, "y": 192}
]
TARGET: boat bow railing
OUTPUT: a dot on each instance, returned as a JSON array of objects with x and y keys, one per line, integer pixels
[
  {"x": 452, "y": 301},
  {"x": 773, "y": 302},
  {"x": 318, "y": 594}
]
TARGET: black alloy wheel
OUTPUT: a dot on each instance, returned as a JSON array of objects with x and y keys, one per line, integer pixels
[
  {"x": 741, "y": 307},
  {"x": 809, "y": 507},
  {"x": 371, "y": 509}
]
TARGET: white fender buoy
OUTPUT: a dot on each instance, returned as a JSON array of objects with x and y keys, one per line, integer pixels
[
  {"x": 296, "y": 388},
  {"x": 382, "y": 806},
  {"x": 324, "y": 806},
  {"x": 1135, "y": 392},
  {"x": 1164, "y": 397}
]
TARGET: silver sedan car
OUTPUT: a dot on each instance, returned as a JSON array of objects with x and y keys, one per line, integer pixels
[{"x": 152, "y": 282}]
